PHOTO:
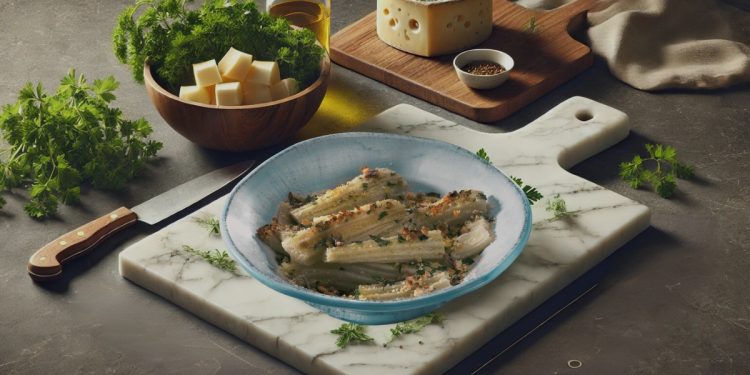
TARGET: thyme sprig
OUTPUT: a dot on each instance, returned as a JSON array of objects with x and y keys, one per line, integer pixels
[{"x": 218, "y": 258}]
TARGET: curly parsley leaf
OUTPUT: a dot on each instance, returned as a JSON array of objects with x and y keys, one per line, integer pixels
[
  {"x": 483, "y": 155},
  {"x": 663, "y": 175},
  {"x": 415, "y": 325},
  {"x": 532, "y": 194},
  {"x": 351, "y": 333},
  {"x": 171, "y": 37},
  {"x": 558, "y": 207},
  {"x": 57, "y": 142},
  {"x": 219, "y": 259}
]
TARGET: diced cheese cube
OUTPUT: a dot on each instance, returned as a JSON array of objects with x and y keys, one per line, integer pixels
[
  {"x": 229, "y": 93},
  {"x": 253, "y": 93},
  {"x": 196, "y": 94},
  {"x": 432, "y": 28},
  {"x": 206, "y": 73},
  {"x": 235, "y": 65},
  {"x": 285, "y": 87},
  {"x": 264, "y": 73}
]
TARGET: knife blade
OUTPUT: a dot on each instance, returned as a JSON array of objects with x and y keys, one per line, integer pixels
[{"x": 46, "y": 263}]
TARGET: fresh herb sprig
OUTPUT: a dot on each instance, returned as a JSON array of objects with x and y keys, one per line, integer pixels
[
  {"x": 663, "y": 175},
  {"x": 558, "y": 207},
  {"x": 483, "y": 155},
  {"x": 170, "y": 37},
  {"x": 532, "y": 194},
  {"x": 218, "y": 258},
  {"x": 415, "y": 325},
  {"x": 210, "y": 223},
  {"x": 531, "y": 26},
  {"x": 72, "y": 137},
  {"x": 351, "y": 333}
]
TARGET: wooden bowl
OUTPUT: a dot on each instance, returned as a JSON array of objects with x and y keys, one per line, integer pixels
[{"x": 240, "y": 128}]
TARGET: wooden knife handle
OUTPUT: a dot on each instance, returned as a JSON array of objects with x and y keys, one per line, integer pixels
[{"x": 46, "y": 263}]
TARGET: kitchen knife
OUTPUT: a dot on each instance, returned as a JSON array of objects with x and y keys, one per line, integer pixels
[{"x": 46, "y": 263}]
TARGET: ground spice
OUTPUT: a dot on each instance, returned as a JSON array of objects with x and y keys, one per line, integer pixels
[{"x": 483, "y": 68}]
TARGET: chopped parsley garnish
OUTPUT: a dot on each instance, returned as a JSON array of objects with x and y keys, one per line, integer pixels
[
  {"x": 382, "y": 215},
  {"x": 531, "y": 26},
  {"x": 282, "y": 259},
  {"x": 351, "y": 333},
  {"x": 467, "y": 261},
  {"x": 401, "y": 239},
  {"x": 365, "y": 185},
  {"x": 379, "y": 240}
]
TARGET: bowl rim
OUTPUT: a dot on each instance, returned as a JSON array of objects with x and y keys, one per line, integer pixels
[
  {"x": 429, "y": 299},
  {"x": 325, "y": 72},
  {"x": 482, "y": 76}
]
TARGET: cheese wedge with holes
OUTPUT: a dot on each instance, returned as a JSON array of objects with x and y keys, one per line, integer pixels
[{"x": 434, "y": 27}]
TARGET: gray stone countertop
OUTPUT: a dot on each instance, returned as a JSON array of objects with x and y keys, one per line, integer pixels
[{"x": 675, "y": 300}]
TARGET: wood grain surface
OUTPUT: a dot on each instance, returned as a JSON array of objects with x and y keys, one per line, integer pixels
[
  {"x": 240, "y": 128},
  {"x": 544, "y": 59},
  {"x": 46, "y": 263}
]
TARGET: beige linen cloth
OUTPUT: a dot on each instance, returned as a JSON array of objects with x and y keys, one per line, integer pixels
[{"x": 663, "y": 44}]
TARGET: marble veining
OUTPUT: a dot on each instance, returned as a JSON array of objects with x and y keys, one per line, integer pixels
[{"x": 558, "y": 252}]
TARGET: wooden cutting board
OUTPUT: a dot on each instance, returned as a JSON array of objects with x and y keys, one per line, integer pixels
[
  {"x": 558, "y": 252},
  {"x": 544, "y": 59}
]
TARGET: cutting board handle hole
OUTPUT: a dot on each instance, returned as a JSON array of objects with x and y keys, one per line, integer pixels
[{"x": 584, "y": 115}]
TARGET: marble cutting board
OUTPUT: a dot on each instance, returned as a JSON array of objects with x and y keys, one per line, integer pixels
[{"x": 558, "y": 252}]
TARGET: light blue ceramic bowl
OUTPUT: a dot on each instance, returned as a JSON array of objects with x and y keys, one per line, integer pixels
[{"x": 324, "y": 162}]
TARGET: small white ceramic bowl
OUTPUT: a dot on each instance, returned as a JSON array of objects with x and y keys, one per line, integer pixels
[{"x": 477, "y": 81}]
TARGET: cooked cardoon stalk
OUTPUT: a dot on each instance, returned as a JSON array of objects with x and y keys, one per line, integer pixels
[
  {"x": 476, "y": 236},
  {"x": 390, "y": 249},
  {"x": 308, "y": 245},
  {"x": 344, "y": 277},
  {"x": 411, "y": 287},
  {"x": 370, "y": 186},
  {"x": 453, "y": 209}
]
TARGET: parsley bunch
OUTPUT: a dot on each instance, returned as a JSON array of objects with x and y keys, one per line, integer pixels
[
  {"x": 171, "y": 37},
  {"x": 60, "y": 141},
  {"x": 663, "y": 177}
]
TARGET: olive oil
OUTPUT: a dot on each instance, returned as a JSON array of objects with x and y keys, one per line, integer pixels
[{"x": 310, "y": 14}]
